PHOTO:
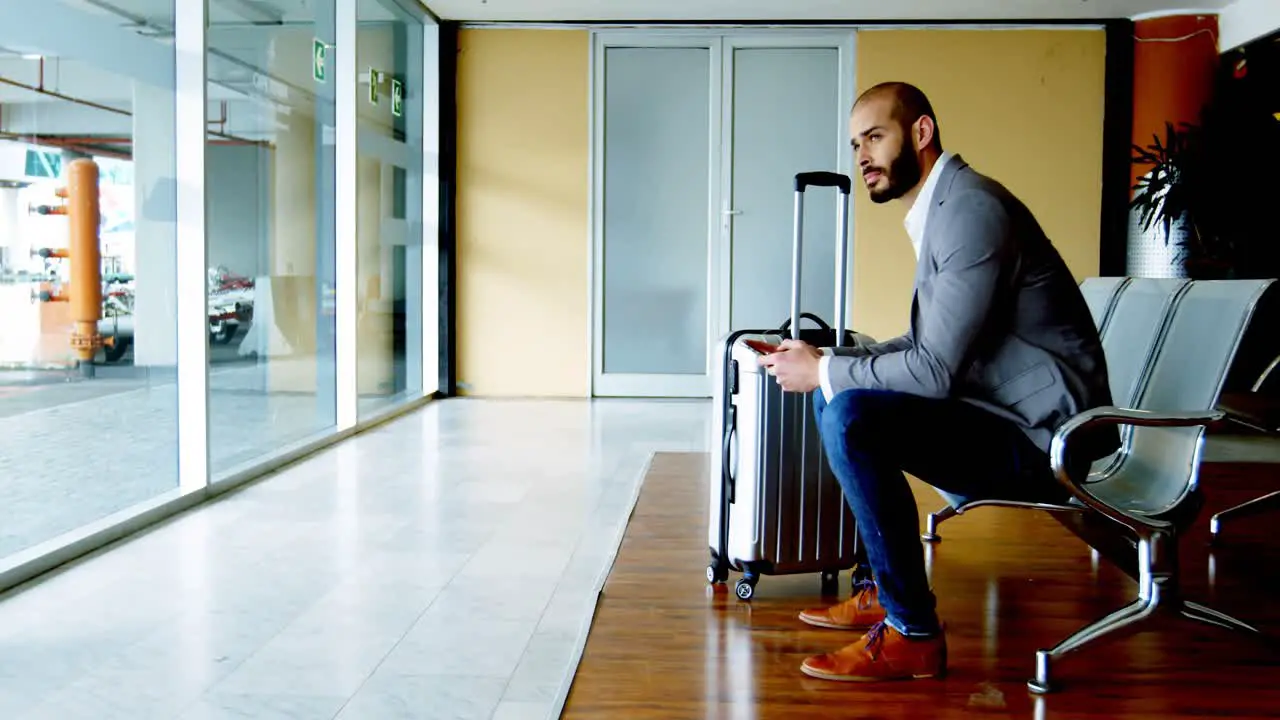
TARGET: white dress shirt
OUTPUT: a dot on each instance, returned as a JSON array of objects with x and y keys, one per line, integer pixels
[{"x": 914, "y": 222}]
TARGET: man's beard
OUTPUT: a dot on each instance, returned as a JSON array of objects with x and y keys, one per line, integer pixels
[{"x": 903, "y": 174}]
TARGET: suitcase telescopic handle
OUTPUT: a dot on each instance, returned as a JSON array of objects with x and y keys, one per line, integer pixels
[{"x": 822, "y": 178}]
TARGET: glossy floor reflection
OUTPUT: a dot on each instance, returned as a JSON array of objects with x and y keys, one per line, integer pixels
[
  {"x": 441, "y": 566},
  {"x": 1009, "y": 582}
]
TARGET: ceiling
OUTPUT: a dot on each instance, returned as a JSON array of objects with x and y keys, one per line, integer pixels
[{"x": 853, "y": 10}]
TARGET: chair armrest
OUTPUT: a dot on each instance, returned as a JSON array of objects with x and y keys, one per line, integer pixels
[
  {"x": 1111, "y": 415},
  {"x": 1253, "y": 410},
  {"x": 1266, "y": 374}
]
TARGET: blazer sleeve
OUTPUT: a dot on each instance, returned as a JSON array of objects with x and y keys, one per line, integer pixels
[
  {"x": 969, "y": 251},
  {"x": 897, "y": 344}
]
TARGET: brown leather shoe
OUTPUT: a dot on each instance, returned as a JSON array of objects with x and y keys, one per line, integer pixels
[
  {"x": 881, "y": 654},
  {"x": 857, "y": 613}
]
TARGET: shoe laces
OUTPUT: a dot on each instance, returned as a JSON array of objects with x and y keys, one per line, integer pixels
[
  {"x": 862, "y": 591},
  {"x": 875, "y": 638}
]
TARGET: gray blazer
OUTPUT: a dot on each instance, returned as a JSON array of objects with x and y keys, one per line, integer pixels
[{"x": 997, "y": 319}]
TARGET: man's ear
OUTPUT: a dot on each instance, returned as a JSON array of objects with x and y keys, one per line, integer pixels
[{"x": 922, "y": 132}]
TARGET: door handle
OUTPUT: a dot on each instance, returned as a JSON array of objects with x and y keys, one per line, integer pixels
[{"x": 726, "y": 223}]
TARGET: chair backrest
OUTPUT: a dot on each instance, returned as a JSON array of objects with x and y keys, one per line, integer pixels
[
  {"x": 1129, "y": 330},
  {"x": 1196, "y": 345},
  {"x": 1100, "y": 294}
]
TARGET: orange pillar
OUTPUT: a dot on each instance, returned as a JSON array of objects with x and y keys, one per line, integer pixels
[
  {"x": 1174, "y": 60},
  {"x": 86, "y": 259}
]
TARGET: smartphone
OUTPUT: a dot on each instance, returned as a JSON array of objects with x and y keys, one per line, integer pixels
[{"x": 761, "y": 346}]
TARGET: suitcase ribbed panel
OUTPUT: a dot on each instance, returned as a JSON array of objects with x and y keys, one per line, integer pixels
[
  {"x": 803, "y": 523},
  {"x": 813, "y": 467},
  {"x": 787, "y": 479},
  {"x": 767, "y": 465},
  {"x": 796, "y": 483}
]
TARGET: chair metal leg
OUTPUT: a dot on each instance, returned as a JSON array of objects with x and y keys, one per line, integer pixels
[
  {"x": 1206, "y": 614},
  {"x": 1157, "y": 592},
  {"x": 933, "y": 521},
  {"x": 1253, "y": 507},
  {"x": 1117, "y": 621}
]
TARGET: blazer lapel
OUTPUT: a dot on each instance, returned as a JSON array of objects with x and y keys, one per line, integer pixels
[
  {"x": 924, "y": 267},
  {"x": 941, "y": 192}
]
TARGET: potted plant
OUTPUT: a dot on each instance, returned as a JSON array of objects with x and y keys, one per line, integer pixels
[{"x": 1177, "y": 196}]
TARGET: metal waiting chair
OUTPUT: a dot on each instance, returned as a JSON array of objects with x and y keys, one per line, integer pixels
[
  {"x": 1153, "y": 489},
  {"x": 1128, "y": 315},
  {"x": 1150, "y": 487}
]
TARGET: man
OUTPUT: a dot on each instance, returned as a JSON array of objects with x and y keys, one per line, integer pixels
[{"x": 1001, "y": 349}]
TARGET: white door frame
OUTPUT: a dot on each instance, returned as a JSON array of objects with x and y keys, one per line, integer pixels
[{"x": 720, "y": 43}]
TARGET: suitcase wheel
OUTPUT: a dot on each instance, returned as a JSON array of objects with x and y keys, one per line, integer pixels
[
  {"x": 717, "y": 574},
  {"x": 830, "y": 582},
  {"x": 718, "y": 570},
  {"x": 745, "y": 588}
]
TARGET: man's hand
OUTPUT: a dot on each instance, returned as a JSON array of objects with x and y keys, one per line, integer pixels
[{"x": 795, "y": 365}]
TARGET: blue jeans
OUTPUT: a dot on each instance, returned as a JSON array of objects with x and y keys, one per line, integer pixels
[{"x": 871, "y": 437}]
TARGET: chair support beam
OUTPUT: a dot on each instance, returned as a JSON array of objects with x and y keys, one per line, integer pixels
[{"x": 1256, "y": 506}]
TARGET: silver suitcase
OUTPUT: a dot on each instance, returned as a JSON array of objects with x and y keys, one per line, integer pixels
[{"x": 776, "y": 507}]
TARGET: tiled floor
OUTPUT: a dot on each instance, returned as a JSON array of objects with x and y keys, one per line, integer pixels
[{"x": 442, "y": 566}]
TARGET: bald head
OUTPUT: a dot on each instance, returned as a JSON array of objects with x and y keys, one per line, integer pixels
[
  {"x": 895, "y": 140},
  {"x": 907, "y": 104}
]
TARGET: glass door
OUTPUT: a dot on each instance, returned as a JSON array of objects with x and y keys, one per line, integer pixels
[
  {"x": 271, "y": 199},
  {"x": 656, "y": 150},
  {"x": 785, "y": 108},
  {"x": 389, "y": 204},
  {"x": 697, "y": 140}
]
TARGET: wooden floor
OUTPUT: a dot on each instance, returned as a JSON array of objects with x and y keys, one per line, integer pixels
[{"x": 664, "y": 644}]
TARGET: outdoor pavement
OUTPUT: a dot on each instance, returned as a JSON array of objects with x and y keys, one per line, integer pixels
[{"x": 73, "y": 451}]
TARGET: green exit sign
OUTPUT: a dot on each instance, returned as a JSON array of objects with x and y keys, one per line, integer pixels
[
  {"x": 319, "y": 53},
  {"x": 397, "y": 97}
]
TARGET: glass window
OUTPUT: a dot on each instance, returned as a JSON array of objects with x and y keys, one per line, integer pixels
[
  {"x": 389, "y": 190},
  {"x": 88, "y": 339},
  {"x": 89, "y": 241},
  {"x": 270, "y": 185}
]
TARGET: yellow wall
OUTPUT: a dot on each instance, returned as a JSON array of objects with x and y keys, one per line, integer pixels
[
  {"x": 1023, "y": 106},
  {"x": 522, "y": 213}
]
